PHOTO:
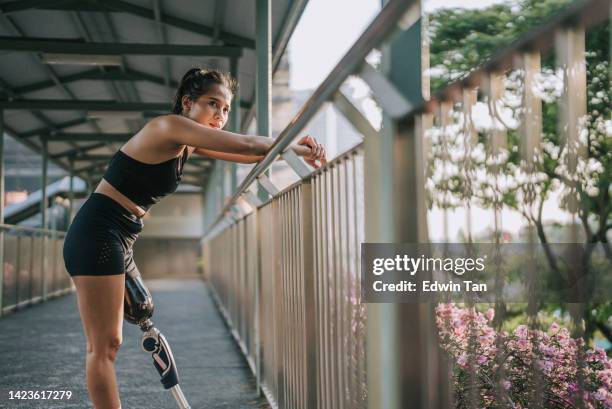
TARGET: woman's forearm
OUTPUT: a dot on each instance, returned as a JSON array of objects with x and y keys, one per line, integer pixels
[
  {"x": 300, "y": 150},
  {"x": 261, "y": 145}
]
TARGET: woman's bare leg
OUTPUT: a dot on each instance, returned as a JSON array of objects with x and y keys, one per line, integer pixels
[{"x": 100, "y": 300}]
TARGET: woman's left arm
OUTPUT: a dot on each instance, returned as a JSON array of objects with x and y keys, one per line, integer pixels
[
  {"x": 306, "y": 147},
  {"x": 230, "y": 157}
]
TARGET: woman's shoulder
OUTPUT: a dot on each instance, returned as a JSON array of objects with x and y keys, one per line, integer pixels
[
  {"x": 163, "y": 124},
  {"x": 154, "y": 140},
  {"x": 168, "y": 129}
]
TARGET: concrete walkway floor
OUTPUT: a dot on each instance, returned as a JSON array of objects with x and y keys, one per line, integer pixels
[{"x": 43, "y": 348}]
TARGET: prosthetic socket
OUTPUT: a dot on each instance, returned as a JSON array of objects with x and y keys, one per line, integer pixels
[{"x": 138, "y": 309}]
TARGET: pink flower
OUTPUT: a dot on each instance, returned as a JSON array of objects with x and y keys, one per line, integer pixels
[
  {"x": 521, "y": 331},
  {"x": 554, "y": 327},
  {"x": 462, "y": 360},
  {"x": 467, "y": 337},
  {"x": 600, "y": 394},
  {"x": 545, "y": 365},
  {"x": 547, "y": 349}
]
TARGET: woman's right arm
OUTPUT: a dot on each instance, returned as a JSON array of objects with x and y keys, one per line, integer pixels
[{"x": 185, "y": 131}]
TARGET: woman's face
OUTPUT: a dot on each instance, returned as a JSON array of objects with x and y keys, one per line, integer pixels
[{"x": 210, "y": 109}]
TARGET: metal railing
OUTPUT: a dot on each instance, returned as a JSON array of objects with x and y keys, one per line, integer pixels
[
  {"x": 33, "y": 267},
  {"x": 286, "y": 273},
  {"x": 288, "y": 283}
]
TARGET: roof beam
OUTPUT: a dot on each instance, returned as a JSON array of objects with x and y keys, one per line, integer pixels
[
  {"x": 48, "y": 130},
  {"x": 89, "y": 136},
  {"x": 20, "y": 5},
  {"x": 20, "y": 32},
  {"x": 125, "y": 7},
  {"x": 83, "y": 105},
  {"x": 73, "y": 152},
  {"x": 91, "y": 105},
  {"x": 227, "y": 38},
  {"x": 71, "y": 46},
  {"x": 95, "y": 74},
  {"x": 110, "y": 75},
  {"x": 36, "y": 86}
]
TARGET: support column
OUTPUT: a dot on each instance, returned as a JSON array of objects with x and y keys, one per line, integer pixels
[
  {"x": 71, "y": 190},
  {"x": 234, "y": 121},
  {"x": 89, "y": 182},
  {"x": 43, "y": 215},
  {"x": 43, "y": 200},
  {"x": 204, "y": 212},
  {"x": 402, "y": 365},
  {"x": 263, "y": 45},
  {"x": 1, "y": 208}
]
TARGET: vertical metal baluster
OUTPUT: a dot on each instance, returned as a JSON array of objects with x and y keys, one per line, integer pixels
[
  {"x": 531, "y": 118},
  {"x": 300, "y": 292},
  {"x": 359, "y": 180},
  {"x": 299, "y": 296},
  {"x": 320, "y": 295},
  {"x": 470, "y": 138},
  {"x": 570, "y": 50},
  {"x": 343, "y": 287},
  {"x": 309, "y": 314},
  {"x": 316, "y": 268},
  {"x": 291, "y": 298},
  {"x": 18, "y": 271},
  {"x": 283, "y": 299},
  {"x": 295, "y": 301},
  {"x": 445, "y": 108},
  {"x": 300, "y": 239},
  {"x": 335, "y": 318},
  {"x": 30, "y": 269},
  {"x": 326, "y": 289},
  {"x": 350, "y": 281}
]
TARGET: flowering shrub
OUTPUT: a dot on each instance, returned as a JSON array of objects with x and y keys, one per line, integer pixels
[{"x": 523, "y": 366}]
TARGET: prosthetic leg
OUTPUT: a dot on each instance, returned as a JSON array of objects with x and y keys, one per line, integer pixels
[{"x": 138, "y": 309}]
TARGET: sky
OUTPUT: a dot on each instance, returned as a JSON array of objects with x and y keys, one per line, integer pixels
[{"x": 318, "y": 44}]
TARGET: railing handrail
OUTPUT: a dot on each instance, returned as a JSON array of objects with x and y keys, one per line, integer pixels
[
  {"x": 384, "y": 25},
  {"x": 587, "y": 12}
]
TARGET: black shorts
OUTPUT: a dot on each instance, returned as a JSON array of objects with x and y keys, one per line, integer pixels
[{"x": 100, "y": 238}]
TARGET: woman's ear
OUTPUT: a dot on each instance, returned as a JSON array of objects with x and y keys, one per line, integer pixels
[{"x": 186, "y": 104}]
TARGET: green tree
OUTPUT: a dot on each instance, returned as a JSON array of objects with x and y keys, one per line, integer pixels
[{"x": 461, "y": 39}]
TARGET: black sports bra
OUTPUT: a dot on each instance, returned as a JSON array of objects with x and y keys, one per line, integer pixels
[{"x": 144, "y": 183}]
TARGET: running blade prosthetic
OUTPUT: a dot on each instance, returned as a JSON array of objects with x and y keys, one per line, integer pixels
[{"x": 138, "y": 309}]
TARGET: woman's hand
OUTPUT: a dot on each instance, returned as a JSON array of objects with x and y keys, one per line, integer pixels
[{"x": 317, "y": 151}]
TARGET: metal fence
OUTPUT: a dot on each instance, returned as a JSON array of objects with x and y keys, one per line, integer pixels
[
  {"x": 286, "y": 273},
  {"x": 33, "y": 266},
  {"x": 292, "y": 269}
]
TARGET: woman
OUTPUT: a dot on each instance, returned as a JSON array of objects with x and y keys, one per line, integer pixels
[{"x": 98, "y": 244}]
